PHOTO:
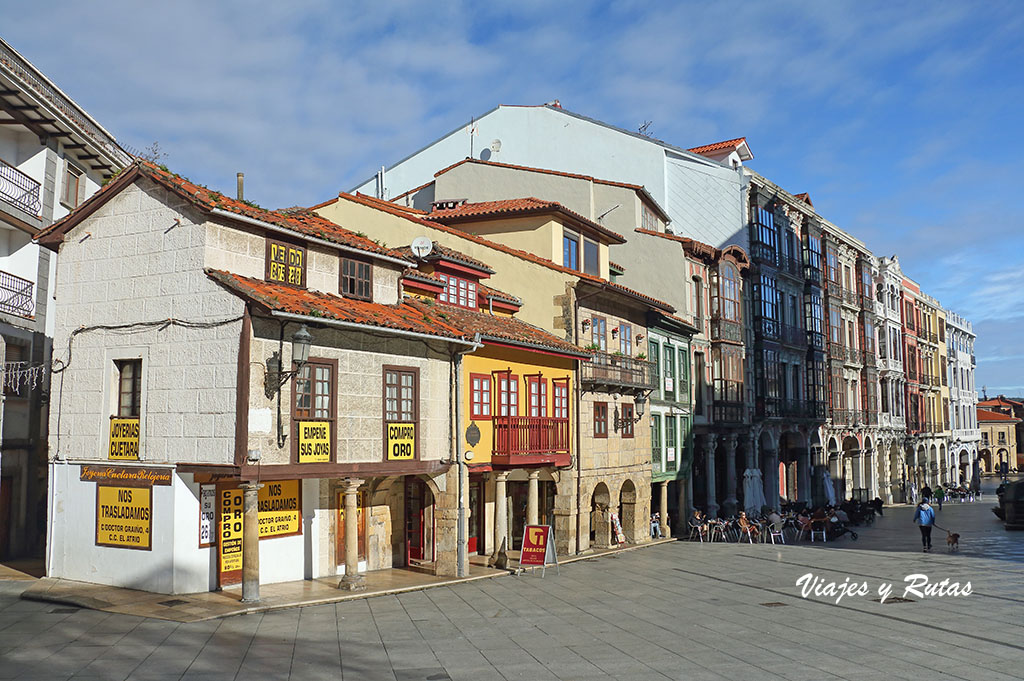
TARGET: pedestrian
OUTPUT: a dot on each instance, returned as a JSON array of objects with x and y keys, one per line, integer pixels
[
  {"x": 656, "y": 526},
  {"x": 926, "y": 494},
  {"x": 924, "y": 516},
  {"x": 940, "y": 494}
]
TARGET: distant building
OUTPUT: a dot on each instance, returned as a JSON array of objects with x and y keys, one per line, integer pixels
[
  {"x": 1009, "y": 407},
  {"x": 963, "y": 397},
  {"x": 53, "y": 156},
  {"x": 998, "y": 440}
]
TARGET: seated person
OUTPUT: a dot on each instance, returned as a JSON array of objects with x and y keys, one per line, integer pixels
[{"x": 747, "y": 527}]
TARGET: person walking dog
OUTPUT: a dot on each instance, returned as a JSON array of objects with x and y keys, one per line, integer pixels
[{"x": 924, "y": 516}]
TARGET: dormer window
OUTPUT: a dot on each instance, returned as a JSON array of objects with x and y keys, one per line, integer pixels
[
  {"x": 356, "y": 279},
  {"x": 650, "y": 220},
  {"x": 573, "y": 244},
  {"x": 458, "y": 291},
  {"x": 286, "y": 263}
]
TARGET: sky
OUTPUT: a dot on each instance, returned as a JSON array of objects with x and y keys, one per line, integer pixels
[{"x": 902, "y": 120}]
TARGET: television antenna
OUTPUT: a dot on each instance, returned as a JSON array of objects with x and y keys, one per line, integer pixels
[{"x": 421, "y": 247}]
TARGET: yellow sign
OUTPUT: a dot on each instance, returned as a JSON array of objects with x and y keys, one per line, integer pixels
[
  {"x": 124, "y": 439},
  {"x": 230, "y": 527},
  {"x": 314, "y": 441},
  {"x": 286, "y": 264},
  {"x": 401, "y": 442},
  {"x": 280, "y": 512},
  {"x": 124, "y": 517}
]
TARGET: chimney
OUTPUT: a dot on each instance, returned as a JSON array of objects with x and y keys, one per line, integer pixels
[{"x": 241, "y": 186}]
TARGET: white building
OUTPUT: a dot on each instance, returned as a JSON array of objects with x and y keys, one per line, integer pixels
[
  {"x": 53, "y": 156},
  {"x": 892, "y": 379},
  {"x": 963, "y": 397}
]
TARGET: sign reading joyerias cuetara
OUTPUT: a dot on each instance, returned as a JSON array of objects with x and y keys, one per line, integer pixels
[
  {"x": 314, "y": 441},
  {"x": 401, "y": 441},
  {"x": 124, "y": 440}
]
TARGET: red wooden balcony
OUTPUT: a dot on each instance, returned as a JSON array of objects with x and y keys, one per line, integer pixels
[{"x": 520, "y": 440}]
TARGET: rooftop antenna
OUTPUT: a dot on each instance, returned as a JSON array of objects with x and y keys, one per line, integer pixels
[
  {"x": 643, "y": 128},
  {"x": 472, "y": 132}
]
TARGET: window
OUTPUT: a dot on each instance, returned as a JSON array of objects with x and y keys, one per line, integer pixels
[
  {"x": 400, "y": 395},
  {"x": 356, "y": 279},
  {"x": 698, "y": 370},
  {"x": 538, "y": 391},
  {"x": 627, "y": 420},
  {"x": 591, "y": 257},
  {"x": 286, "y": 263},
  {"x": 656, "y": 438},
  {"x": 560, "y": 390},
  {"x": 649, "y": 220},
  {"x": 626, "y": 339},
  {"x": 698, "y": 300},
  {"x": 684, "y": 374},
  {"x": 458, "y": 291},
  {"x": 479, "y": 396},
  {"x": 601, "y": 419},
  {"x": 865, "y": 282},
  {"x": 129, "y": 388},
  {"x": 812, "y": 254},
  {"x": 570, "y": 249},
  {"x": 72, "y": 190},
  {"x": 670, "y": 372},
  {"x": 313, "y": 399},
  {"x": 670, "y": 436},
  {"x": 835, "y": 326},
  {"x": 508, "y": 393},
  {"x": 832, "y": 264},
  {"x": 766, "y": 233},
  {"x": 869, "y": 337},
  {"x": 598, "y": 337},
  {"x": 815, "y": 314},
  {"x": 729, "y": 293},
  {"x": 769, "y": 296}
]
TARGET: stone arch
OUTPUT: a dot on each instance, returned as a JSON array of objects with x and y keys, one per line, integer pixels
[
  {"x": 600, "y": 510},
  {"x": 851, "y": 473},
  {"x": 985, "y": 457},
  {"x": 628, "y": 511},
  {"x": 792, "y": 446},
  {"x": 933, "y": 464}
]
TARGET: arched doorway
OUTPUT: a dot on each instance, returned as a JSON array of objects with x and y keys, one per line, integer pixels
[
  {"x": 850, "y": 479},
  {"x": 943, "y": 465},
  {"x": 933, "y": 465},
  {"x": 986, "y": 461},
  {"x": 793, "y": 447},
  {"x": 964, "y": 469},
  {"x": 627, "y": 510},
  {"x": 600, "y": 508}
]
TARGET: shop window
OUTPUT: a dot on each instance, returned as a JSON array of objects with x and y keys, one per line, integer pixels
[
  {"x": 286, "y": 263},
  {"x": 601, "y": 419},
  {"x": 356, "y": 279},
  {"x": 480, "y": 396}
]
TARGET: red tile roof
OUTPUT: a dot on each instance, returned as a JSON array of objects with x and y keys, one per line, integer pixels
[
  {"x": 486, "y": 291},
  {"x": 616, "y": 266},
  {"x": 442, "y": 252},
  {"x": 282, "y": 298},
  {"x": 1000, "y": 401},
  {"x": 576, "y": 176},
  {"x": 986, "y": 415},
  {"x": 500, "y": 328},
  {"x": 513, "y": 207},
  {"x": 805, "y": 197},
  {"x": 718, "y": 146},
  {"x": 302, "y": 221},
  {"x": 524, "y": 255}
]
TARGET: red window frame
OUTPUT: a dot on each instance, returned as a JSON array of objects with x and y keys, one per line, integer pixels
[
  {"x": 459, "y": 291},
  {"x": 601, "y": 420},
  {"x": 560, "y": 397},
  {"x": 505, "y": 389},
  {"x": 627, "y": 420},
  {"x": 537, "y": 392},
  {"x": 480, "y": 386}
]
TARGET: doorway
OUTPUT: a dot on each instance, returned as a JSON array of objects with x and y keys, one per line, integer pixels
[
  {"x": 476, "y": 517},
  {"x": 419, "y": 523}
]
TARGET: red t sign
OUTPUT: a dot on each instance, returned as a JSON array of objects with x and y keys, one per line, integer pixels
[{"x": 535, "y": 545}]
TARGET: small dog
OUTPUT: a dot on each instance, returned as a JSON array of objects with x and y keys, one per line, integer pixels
[{"x": 952, "y": 541}]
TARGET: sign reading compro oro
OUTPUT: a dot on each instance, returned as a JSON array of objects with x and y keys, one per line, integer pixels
[
  {"x": 314, "y": 441},
  {"x": 124, "y": 440},
  {"x": 230, "y": 530},
  {"x": 124, "y": 517},
  {"x": 401, "y": 441},
  {"x": 280, "y": 510}
]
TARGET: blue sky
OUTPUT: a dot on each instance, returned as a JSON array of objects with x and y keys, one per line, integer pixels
[{"x": 902, "y": 120}]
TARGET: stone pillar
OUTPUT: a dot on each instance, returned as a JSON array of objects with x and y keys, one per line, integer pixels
[
  {"x": 709, "y": 444},
  {"x": 803, "y": 476},
  {"x": 250, "y": 542},
  {"x": 663, "y": 508},
  {"x": 500, "y": 510},
  {"x": 533, "y": 499},
  {"x": 353, "y": 580},
  {"x": 685, "y": 500},
  {"x": 729, "y": 441},
  {"x": 771, "y": 478}
]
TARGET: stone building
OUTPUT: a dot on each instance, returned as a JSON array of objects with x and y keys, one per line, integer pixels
[
  {"x": 242, "y": 394},
  {"x": 963, "y": 398},
  {"x": 53, "y": 156},
  {"x": 1009, "y": 407},
  {"x": 998, "y": 441}
]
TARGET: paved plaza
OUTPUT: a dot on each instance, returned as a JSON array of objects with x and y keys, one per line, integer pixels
[{"x": 673, "y": 611}]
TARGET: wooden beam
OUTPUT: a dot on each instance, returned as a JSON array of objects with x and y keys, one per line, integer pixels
[
  {"x": 101, "y": 166},
  {"x": 9, "y": 93},
  {"x": 74, "y": 146},
  {"x": 59, "y": 133},
  {"x": 87, "y": 157}
]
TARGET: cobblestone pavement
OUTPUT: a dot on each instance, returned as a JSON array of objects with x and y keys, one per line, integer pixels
[{"x": 674, "y": 611}]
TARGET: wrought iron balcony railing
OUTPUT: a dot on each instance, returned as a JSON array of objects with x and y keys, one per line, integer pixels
[
  {"x": 17, "y": 295},
  {"x": 524, "y": 435},
  {"x": 836, "y": 350},
  {"x": 794, "y": 335},
  {"x": 19, "y": 190},
  {"x": 725, "y": 329},
  {"x": 618, "y": 371},
  {"x": 723, "y": 411}
]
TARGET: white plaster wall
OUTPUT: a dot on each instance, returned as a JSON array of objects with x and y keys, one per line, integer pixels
[{"x": 136, "y": 265}]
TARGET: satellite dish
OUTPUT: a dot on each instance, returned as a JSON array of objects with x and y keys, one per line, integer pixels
[
  {"x": 496, "y": 146},
  {"x": 421, "y": 246}
]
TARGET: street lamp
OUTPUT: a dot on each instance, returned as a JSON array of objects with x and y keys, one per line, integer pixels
[{"x": 276, "y": 377}]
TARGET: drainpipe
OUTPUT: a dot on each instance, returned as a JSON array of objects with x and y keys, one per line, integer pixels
[{"x": 462, "y": 547}]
